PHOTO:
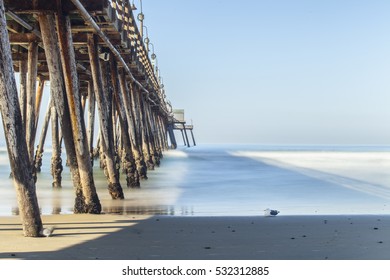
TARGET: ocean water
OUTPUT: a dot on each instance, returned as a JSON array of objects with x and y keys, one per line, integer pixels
[{"x": 235, "y": 180}]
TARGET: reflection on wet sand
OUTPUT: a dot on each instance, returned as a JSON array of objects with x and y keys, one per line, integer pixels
[
  {"x": 139, "y": 210},
  {"x": 157, "y": 196},
  {"x": 142, "y": 202},
  {"x": 129, "y": 210}
]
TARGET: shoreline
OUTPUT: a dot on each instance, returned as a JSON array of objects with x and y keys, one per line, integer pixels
[
  {"x": 245, "y": 183},
  {"x": 120, "y": 237}
]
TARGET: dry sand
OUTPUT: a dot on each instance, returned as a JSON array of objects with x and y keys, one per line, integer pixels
[{"x": 119, "y": 237}]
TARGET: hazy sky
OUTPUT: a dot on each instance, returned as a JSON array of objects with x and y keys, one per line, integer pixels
[{"x": 276, "y": 71}]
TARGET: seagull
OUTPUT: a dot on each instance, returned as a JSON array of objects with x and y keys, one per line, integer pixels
[
  {"x": 268, "y": 212},
  {"x": 48, "y": 231}
]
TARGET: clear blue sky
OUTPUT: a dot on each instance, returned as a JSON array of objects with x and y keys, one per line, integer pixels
[{"x": 276, "y": 71}]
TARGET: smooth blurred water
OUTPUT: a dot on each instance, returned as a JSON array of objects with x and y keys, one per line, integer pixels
[{"x": 236, "y": 180}]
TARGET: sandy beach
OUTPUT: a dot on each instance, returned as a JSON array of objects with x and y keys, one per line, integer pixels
[
  {"x": 333, "y": 206},
  {"x": 120, "y": 237}
]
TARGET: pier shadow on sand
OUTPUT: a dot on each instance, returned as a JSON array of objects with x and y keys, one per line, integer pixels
[{"x": 239, "y": 238}]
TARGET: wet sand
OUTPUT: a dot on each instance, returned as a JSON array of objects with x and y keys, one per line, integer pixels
[{"x": 119, "y": 237}]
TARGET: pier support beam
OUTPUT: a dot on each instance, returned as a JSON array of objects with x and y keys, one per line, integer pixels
[
  {"x": 130, "y": 123},
  {"x": 40, "y": 148},
  {"x": 185, "y": 133},
  {"x": 23, "y": 90},
  {"x": 91, "y": 119},
  {"x": 144, "y": 131},
  {"x": 31, "y": 93},
  {"x": 172, "y": 136},
  {"x": 18, "y": 152},
  {"x": 163, "y": 131},
  {"x": 59, "y": 97},
  {"x": 136, "y": 139},
  {"x": 193, "y": 138},
  {"x": 106, "y": 127},
  {"x": 74, "y": 102},
  {"x": 151, "y": 130},
  {"x": 56, "y": 161},
  {"x": 38, "y": 101},
  {"x": 128, "y": 162},
  {"x": 184, "y": 139}
]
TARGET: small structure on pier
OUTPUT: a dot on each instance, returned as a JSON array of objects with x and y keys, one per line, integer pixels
[{"x": 179, "y": 123}]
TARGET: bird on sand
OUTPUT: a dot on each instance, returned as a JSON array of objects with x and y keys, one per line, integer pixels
[
  {"x": 269, "y": 212},
  {"x": 47, "y": 231}
]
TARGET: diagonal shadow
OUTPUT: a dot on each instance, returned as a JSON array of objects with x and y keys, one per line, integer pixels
[{"x": 173, "y": 238}]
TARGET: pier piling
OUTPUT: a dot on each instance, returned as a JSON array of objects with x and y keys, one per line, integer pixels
[
  {"x": 31, "y": 94},
  {"x": 19, "y": 155},
  {"x": 41, "y": 143},
  {"x": 105, "y": 118},
  {"x": 56, "y": 161}
]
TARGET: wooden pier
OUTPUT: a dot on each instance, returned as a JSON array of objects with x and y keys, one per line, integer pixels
[{"x": 94, "y": 55}]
